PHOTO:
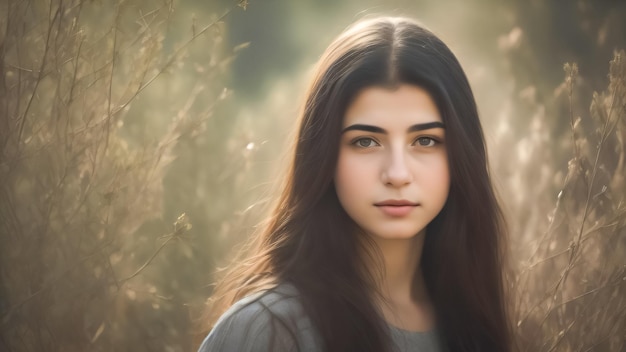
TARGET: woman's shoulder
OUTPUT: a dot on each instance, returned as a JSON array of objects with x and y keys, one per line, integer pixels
[{"x": 272, "y": 320}]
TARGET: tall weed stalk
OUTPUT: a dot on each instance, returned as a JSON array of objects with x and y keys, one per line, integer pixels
[
  {"x": 571, "y": 287},
  {"x": 74, "y": 190}
]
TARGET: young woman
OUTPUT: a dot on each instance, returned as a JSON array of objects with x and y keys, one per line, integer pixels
[{"x": 387, "y": 235}]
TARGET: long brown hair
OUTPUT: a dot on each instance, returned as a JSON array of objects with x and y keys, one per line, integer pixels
[{"x": 312, "y": 243}]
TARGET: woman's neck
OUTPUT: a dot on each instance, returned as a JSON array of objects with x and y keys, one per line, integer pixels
[
  {"x": 403, "y": 298},
  {"x": 400, "y": 260}
]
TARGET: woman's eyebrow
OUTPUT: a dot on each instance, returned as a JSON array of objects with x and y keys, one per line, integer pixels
[
  {"x": 426, "y": 126},
  {"x": 376, "y": 129},
  {"x": 366, "y": 128}
]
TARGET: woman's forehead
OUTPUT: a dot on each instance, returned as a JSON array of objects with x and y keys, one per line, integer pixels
[{"x": 407, "y": 104}]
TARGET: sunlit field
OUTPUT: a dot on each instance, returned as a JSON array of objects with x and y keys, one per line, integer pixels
[{"x": 141, "y": 143}]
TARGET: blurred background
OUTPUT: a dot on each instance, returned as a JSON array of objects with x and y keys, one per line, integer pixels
[{"x": 141, "y": 142}]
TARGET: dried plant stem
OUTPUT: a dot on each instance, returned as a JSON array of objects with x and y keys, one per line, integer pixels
[
  {"x": 141, "y": 268},
  {"x": 171, "y": 60},
  {"x": 38, "y": 80},
  {"x": 574, "y": 247}
]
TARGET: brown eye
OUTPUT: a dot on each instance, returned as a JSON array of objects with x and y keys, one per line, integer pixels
[{"x": 365, "y": 143}]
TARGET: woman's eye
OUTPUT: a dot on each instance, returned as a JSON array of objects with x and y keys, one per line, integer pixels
[
  {"x": 365, "y": 143},
  {"x": 426, "y": 142}
]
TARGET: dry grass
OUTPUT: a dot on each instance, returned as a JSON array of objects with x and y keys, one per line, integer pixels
[
  {"x": 571, "y": 283},
  {"x": 74, "y": 191}
]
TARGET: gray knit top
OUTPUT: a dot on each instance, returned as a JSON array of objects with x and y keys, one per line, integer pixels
[{"x": 275, "y": 321}]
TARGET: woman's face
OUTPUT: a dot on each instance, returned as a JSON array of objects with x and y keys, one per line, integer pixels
[{"x": 392, "y": 174}]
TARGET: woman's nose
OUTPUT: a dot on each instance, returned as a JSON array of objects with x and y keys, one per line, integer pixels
[{"x": 396, "y": 171}]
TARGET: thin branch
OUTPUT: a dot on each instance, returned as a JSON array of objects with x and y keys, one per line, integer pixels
[
  {"x": 43, "y": 63},
  {"x": 173, "y": 57},
  {"x": 141, "y": 268}
]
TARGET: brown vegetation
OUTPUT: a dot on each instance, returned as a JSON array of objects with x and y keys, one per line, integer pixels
[
  {"x": 75, "y": 190},
  {"x": 571, "y": 269}
]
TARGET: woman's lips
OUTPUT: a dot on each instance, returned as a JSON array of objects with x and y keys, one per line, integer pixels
[{"x": 396, "y": 208}]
